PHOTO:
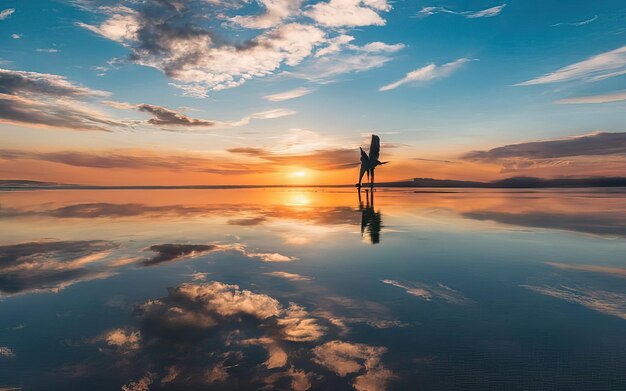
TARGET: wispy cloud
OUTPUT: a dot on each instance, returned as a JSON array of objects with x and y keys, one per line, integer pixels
[
  {"x": 599, "y": 67},
  {"x": 291, "y": 94},
  {"x": 610, "y": 270},
  {"x": 576, "y": 24},
  {"x": 16, "y": 36},
  {"x": 430, "y": 292},
  {"x": 591, "y": 99},
  {"x": 609, "y": 303},
  {"x": 600, "y": 143},
  {"x": 485, "y": 13},
  {"x": 427, "y": 73},
  {"x": 6, "y": 13},
  {"x": 47, "y": 50},
  {"x": 47, "y": 100}
]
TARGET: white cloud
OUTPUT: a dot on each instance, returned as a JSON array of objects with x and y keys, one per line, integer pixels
[
  {"x": 291, "y": 94},
  {"x": 338, "y": 13},
  {"x": 16, "y": 36},
  {"x": 427, "y": 73},
  {"x": 601, "y": 98},
  {"x": 47, "y": 50},
  {"x": 486, "y": 13},
  {"x": 6, "y": 13},
  {"x": 576, "y": 24},
  {"x": 326, "y": 68},
  {"x": 599, "y": 67},
  {"x": 275, "y": 12}
]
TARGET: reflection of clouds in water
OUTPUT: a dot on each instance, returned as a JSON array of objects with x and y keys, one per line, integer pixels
[
  {"x": 598, "y": 223},
  {"x": 430, "y": 292},
  {"x": 6, "y": 352},
  {"x": 609, "y": 303},
  {"x": 345, "y": 358},
  {"x": 613, "y": 271},
  {"x": 172, "y": 252},
  {"x": 289, "y": 276},
  {"x": 207, "y": 334},
  {"x": 251, "y": 214},
  {"x": 51, "y": 265}
]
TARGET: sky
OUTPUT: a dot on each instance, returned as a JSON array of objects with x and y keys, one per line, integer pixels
[{"x": 179, "y": 92}]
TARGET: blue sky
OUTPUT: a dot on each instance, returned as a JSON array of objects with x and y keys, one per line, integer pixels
[{"x": 492, "y": 92}]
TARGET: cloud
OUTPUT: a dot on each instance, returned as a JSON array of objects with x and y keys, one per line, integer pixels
[
  {"x": 138, "y": 160},
  {"x": 348, "y": 13},
  {"x": 594, "y": 144},
  {"x": 323, "y": 159},
  {"x": 346, "y": 358},
  {"x": 164, "y": 116},
  {"x": 429, "y": 292},
  {"x": 16, "y": 36},
  {"x": 6, "y": 352},
  {"x": 41, "y": 99},
  {"x": 177, "y": 42},
  {"x": 609, "y": 303},
  {"x": 174, "y": 252},
  {"x": 427, "y": 73},
  {"x": 176, "y": 332},
  {"x": 291, "y": 94},
  {"x": 486, "y": 13},
  {"x": 251, "y": 221},
  {"x": 613, "y": 271},
  {"x": 123, "y": 339},
  {"x": 275, "y": 12},
  {"x": 597, "y": 223},
  {"x": 6, "y": 13},
  {"x": 271, "y": 257},
  {"x": 599, "y": 67},
  {"x": 576, "y": 24},
  {"x": 49, "y": 266},
  {"x": 289, "y": 276},
  {"x": 47, "y": 50},
  {"x": 592, "y": 99}
]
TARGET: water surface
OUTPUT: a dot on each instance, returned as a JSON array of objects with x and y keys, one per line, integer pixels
[{"x": 313, "y": 288}]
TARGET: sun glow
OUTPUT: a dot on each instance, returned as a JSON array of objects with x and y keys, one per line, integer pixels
[{"x": 298, "y": 174}]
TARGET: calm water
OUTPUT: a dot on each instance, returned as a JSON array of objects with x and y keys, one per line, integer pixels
[{"x": 315, "y": 288}]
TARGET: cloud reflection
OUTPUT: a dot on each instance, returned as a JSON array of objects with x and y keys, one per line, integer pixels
[{"x": 206, "y": 334}]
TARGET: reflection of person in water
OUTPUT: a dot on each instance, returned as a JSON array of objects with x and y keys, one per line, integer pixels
[{"x": 371, "y": 221}]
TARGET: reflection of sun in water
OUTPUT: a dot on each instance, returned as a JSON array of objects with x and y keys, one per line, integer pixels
[{"x": 297, "y": 199}]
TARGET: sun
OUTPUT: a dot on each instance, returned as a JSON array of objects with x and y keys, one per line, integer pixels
[{"x": 298, "y": 174}]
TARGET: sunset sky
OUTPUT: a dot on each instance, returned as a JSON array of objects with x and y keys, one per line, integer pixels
[{"x": 172, "y": 92}]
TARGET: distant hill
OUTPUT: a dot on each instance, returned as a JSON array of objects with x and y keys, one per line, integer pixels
[{"x": 508, "y": 183}]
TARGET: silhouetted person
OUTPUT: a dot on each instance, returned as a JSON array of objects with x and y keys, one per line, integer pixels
[
  {"x": 369, "y": 162},
  {"x": 371, "y": 221}
]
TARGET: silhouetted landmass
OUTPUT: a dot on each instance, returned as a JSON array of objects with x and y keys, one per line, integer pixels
[
  {"x": 513, "y": 183},
  {"x": 508, "y": 183}
]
